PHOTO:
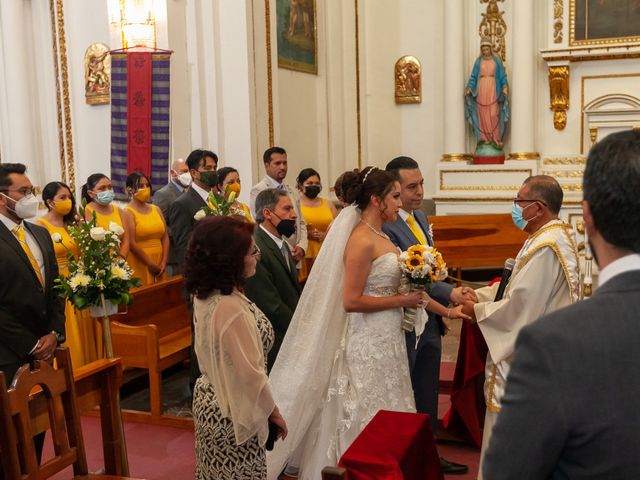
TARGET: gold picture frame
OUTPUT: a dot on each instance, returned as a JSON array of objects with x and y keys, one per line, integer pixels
[
  {"x": 297, "y": 35},
  {"x": 604, "y": 22}
]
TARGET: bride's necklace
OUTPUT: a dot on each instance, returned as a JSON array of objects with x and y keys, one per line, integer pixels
[{"x": 374, "y": 230}]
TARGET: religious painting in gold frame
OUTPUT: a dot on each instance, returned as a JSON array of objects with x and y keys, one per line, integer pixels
[
  {"x": 97, "y": 74},
  {"x": 297, "y": 35},
  {"x": 603, "y": 22}
]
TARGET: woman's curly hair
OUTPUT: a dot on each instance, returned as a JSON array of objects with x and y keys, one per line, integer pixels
[{"x": 215, "y": 256}]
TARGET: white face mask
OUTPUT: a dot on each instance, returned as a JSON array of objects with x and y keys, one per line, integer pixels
[
  {"x": 184, "y": 179},
  {"x": 26, "y": 207}
]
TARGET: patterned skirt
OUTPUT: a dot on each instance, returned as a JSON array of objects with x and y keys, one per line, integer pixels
[{"x": 217, "y": 454}]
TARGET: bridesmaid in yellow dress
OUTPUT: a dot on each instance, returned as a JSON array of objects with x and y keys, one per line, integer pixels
[
  {"x": 150, "y": 239},
  {"x": 99, "y": 195},
  {"x": 318, "y": 213},
  {"x": 80, "y": 327},
  {"x": 230, "y": 176}
]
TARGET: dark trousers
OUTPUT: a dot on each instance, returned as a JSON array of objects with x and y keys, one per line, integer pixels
[{"x": 424, "y": 365}]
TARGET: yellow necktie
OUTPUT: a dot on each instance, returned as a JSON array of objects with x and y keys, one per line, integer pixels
[
  {"x": 413, "y": 226},
  {"x": 18, "y": 231}
]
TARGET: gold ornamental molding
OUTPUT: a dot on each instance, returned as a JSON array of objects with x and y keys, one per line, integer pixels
[
  {"x": 267, "y": 16},
  {"x": 593, "y": 135},
  {"x": 528, "y": 171},
  {"x": 490, "y": 199},
  {"x": 595, "y": 77},
  {"x": 558, "y": 22},
  {"x": 493, "y": 25},
  {"x": 566, "y": 173},
  {"x": 56, "y": 67},
  {"x": 456, "y": 157},
  {"x": 565, "y": 161},
  {"x": 524, "y": 156},
  {"x": 60, "y": 52},
  {"x": 358, "y": 120},
  {"x": 559, "y": 95}
]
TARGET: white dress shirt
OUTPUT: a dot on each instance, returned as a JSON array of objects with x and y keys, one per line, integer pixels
[
  {"x": 201, "y": 191},
  {"x": 619, "y": 266},
  {"x": 31, "y": 242}
]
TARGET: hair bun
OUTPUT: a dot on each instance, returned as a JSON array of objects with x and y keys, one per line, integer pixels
[{"x": 351, "y": 186}]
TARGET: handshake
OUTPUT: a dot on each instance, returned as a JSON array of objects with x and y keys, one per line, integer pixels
[{"x": 466, "y": 297}]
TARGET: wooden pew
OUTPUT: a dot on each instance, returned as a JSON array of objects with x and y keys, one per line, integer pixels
[
  {"x": 154, "y": 334},
  {"x": 96, "y": 385},
  {"x": 476, "y": 241}
]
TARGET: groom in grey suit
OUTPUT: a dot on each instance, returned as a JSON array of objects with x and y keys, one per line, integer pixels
[
  {"x": 570, "y": 409},
  {"x": 411, "y": 228}
]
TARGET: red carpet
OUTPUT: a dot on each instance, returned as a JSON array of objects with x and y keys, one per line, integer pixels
[{"x": 158, "y": 453}]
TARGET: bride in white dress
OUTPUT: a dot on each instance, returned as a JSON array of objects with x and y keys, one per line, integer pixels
[{"x": 344, "y": 356}]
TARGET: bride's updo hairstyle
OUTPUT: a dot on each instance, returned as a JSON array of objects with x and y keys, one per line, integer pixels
[{"x": 358, "y": 187}]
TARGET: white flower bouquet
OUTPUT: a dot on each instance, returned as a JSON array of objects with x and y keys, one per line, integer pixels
[{"x": 98, "y": 272}]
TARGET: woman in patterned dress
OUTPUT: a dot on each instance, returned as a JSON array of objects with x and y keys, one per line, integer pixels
[{"x": 232, "y": 402}]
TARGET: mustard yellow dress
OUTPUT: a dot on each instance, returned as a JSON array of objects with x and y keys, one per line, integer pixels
[
  {"x": 149, "y": 230},
  {"x": 81, "y": 329},
  {"x": 318, "y": 218},
  {"x": 105, "y": 220}
]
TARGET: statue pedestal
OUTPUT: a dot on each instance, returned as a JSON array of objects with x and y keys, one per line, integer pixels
[{"x": 472, "y": 188}]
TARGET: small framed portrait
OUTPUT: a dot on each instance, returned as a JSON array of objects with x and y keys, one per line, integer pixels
[
  {"x": 297, "y": 35},
  {"x": 601, "y": 22}
]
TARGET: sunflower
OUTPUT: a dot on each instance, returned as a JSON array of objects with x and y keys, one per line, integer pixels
[
  {"x": 414, "y": 262},
  {"x": 416, "y": 250}
]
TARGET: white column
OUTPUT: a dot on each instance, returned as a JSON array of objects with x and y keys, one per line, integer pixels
[
  {"x": 16, "y": 101},
  {"x": 522, "y": 78},
  {"x": 454, "y": 122}
]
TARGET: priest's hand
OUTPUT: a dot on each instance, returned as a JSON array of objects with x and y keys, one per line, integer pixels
[
  {"x": 467, "y": 308},
  {"x": 297, "y": 253},
  {"x": 460, "y": 295}
]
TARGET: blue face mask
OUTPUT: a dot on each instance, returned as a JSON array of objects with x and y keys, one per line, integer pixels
[
  {"x": 105, "y": 197},
  {"x": 516, "y": 216}
]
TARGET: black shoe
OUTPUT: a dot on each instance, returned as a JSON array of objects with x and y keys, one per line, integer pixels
[{"x": 451, "y": 468}]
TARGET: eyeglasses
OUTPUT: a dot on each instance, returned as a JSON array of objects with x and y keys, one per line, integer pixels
[
  {"x": 25, "y": 191},
  {"x": 256, "y": 252},
  {"x": 516, "y": 201}
]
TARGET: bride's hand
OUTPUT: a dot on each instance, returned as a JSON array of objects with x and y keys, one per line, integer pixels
[
  {"x": 456, "y": 312},
  {"x": 277, "y": 419},
  {"x": 414, "y": 300}
]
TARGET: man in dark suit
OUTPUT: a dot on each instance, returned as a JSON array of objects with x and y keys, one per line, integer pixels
[
  {"x": 180, "y": 179},
  {"x": 570, "y": 409},
  {"x": 202, "y": 166},
  {"x": 274, "y": 288},
  {"x": 411, "y": 228},
  {"x": 31, "y": 312}
]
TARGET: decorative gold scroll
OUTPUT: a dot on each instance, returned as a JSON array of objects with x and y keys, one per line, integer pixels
[
  {"x": 408, "y": 80},
  {"x": 593, "y": 135},
  {"x": 493, "y": 25},
  {"x": 524, "y": 156},
  {"x": 559, "y": 95},
  {"x": 558, "y": 21},
  {"x": 456, "y": 157},
  {"x": 97, "y": 74}
]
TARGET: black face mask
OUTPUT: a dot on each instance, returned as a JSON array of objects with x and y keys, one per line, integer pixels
[
  {"x": 286, "y": 227},
  {"x": 312, "y": 191}
]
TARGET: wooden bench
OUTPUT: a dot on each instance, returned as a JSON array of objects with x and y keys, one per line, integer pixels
[
  {"x": 154, "y": 334},
  {"x": 476, "y": 241}
]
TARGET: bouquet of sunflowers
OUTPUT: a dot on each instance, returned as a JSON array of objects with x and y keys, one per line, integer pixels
[{"x": 421, "y": 265}]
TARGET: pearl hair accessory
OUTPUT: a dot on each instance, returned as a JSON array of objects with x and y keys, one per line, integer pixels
[{"x": 367, "y": 174}]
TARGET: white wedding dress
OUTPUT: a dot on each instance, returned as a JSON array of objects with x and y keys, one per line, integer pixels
[{"x": 336, "y": 370}]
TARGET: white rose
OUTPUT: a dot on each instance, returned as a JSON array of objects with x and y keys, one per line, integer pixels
[
  {"x": 97, "y": 233},
  {"x": 115, "y": 228},
  {"x": 56, "y": 237},
  {"x": 200, "y": 214},
  {"x": 119, "y": 273}
]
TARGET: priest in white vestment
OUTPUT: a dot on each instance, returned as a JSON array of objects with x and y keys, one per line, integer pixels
[{"x": 545, "y": 278}]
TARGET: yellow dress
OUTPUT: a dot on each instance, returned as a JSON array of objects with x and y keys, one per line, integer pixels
[
  {"x": 81, "y": 329},
  {"x": 104, "y": 220},
  {"x": 318, "y": 218},
  {"x": 149, "y": 230}
]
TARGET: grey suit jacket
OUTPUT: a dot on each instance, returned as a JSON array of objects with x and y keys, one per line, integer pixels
[
  {"x": 570, "y": 409},
  {"x": 298, "y": 238},
  {"x": 402, "y": 236},
  {"x": 163, "y": 198},
  {"x": 27, "y": 309},
  {"x": 181, "y": 222}
]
